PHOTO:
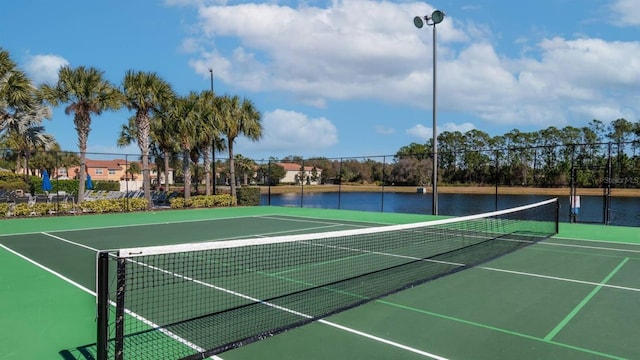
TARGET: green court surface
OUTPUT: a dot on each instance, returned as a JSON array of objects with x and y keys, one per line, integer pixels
[{"x": 574, "y": 296}]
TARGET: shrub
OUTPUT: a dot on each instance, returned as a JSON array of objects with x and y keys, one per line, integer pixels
[
  {"x": 203, "y": 201},
  {"x": 22, "y": 209},
  {"x": 10, "y": 181},
  {"x": 4, "y": 209},
  {"x": 113, "y": 205},
  {"x": 248, "y": 196}
]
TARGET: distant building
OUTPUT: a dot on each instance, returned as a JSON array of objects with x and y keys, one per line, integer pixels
[
  {"x": 114, "y": 170},
  {"x": 295, "y": 173}
]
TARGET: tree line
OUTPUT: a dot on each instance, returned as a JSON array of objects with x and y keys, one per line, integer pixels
[{"x": 590, "y": 156}]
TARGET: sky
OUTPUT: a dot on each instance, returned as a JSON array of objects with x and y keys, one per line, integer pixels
[{"x": 346, "y": 78}]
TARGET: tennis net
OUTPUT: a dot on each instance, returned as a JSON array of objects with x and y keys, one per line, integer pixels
[{"x": 192, "y": 301}]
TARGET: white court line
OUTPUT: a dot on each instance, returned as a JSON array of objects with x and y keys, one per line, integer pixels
[
  {"x": 70, "y": 242},
  {"x": 318, "y": 221},
  {"x": 134, "y": 225},
  {"x": 596, "y": 241},
  {"x": 49, "y": 270},
  {"x": 558, "y": 278},
  {"x": 589, "y": 247},
  {"x": 264, "y": 235}
]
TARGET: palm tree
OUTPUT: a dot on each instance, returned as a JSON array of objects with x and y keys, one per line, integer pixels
[
  {"x": 185, "y": 121},
  {"x": 208, "y": 133},
  {"x": 246, "y": 167},
  {"x": 165, "y": 142},
  {"x": 87, "y": 92},
  {"x": 24, "y": 130},
  {"x": 31, "y": 138},
  {"x": 238, "y": 118},
  {"x": 16, "y": 91},
  {"x": 145, "y": 93}
]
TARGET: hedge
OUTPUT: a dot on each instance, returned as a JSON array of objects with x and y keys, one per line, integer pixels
[
  {"x": 203, "y": 201},
  {"x": 248, "y": 196}
]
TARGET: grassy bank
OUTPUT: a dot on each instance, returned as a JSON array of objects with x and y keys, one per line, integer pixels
[{"x": 504, "y": 190}]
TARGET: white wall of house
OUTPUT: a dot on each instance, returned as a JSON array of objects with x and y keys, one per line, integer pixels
[
  {"x": 290, "y": 177},
  {"x": 131, "y": 185}
]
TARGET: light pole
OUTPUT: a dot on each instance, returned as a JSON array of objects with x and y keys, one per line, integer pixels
[
  {"x": 213, "y": 147},
  {"x": 436, "y": 17}
]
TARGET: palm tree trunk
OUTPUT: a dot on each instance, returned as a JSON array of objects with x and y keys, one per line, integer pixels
[
  {"x": 166, "y": 170},
  {"x": 186, "y": 171},
  {"x": 232, "y": 170},
  {"x": 144, "y": 125},
  {"x": 207, "y": 170},
  {"x": 81, "y": 122}
]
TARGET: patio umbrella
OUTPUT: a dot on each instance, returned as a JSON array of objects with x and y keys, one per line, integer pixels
[
  {"x": 46, "y": 182},
  {"x": 89, "y": 183}
]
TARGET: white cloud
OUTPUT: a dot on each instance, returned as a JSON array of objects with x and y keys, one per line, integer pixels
[
  {"x": 626, "y": 12},
  {"x": 349, "y": 50},
  {"x": 292, "y": 132},
  {"x": 424, "y": 133},
  {"x": 420, "y": 132},
  {"x": 451, "y": 127},
  {"x": 44, "y": 68},
  {"x": 384, "y": 130},
  {"x": 190, "y": 45},
  {"x": 363, "y": 49}
]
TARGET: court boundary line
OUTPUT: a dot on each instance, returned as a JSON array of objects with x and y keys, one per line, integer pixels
[
  {"x": 132, "y": 225},
  {"x": 596, "y": 240},
  {"x": 495, "y": 328},
  {"x": 46, "y": 269},
  {"x": 549, "y": 277},
  {"x": 590, "y": 247},
  {"x": 584, "y": 302}
]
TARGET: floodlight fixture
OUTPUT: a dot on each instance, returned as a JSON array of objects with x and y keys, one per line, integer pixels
[{"x": 436, "y": 17}]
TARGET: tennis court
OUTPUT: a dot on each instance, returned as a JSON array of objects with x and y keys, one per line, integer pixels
[{"x": 574, "y": 296}]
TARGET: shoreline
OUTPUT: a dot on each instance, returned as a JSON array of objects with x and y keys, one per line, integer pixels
[{"x": 484, "y": 190}]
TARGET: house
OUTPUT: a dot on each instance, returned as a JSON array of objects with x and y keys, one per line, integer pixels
[
  {"x": 295, "y": 173},
  {"x": 114, "y": 170}
]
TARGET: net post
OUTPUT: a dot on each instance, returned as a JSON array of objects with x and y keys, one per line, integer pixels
[
  {"x": 102, "y": 295},
  {"x": 120, "y": 304},
  {"x": 557, "y": 216}
]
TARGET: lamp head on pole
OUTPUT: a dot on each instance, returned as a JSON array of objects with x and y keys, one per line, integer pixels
[{"x": 436, "y": 17}]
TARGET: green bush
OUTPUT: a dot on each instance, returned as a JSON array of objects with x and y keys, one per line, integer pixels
[
  {"x": 203, "y": 201},
  {"x": 22, "y": 209},
  {"x": 10, "y": 181},
  {"x": 106, "y": 185},
  {"x": 37, "y": 209},
  {"x": 71, "y": 186},
  {"x": 113, "y": 205},
  {"x": 4, "y": 209},
  {"x": 248, "y": 196}
]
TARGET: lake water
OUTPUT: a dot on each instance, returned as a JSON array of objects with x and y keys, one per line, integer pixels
[{"x": 624, "y": 211}]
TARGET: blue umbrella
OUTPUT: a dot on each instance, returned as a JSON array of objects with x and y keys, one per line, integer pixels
[
  {"x": 46, "y": 182},
  {"x": 89, "y": 183}
]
